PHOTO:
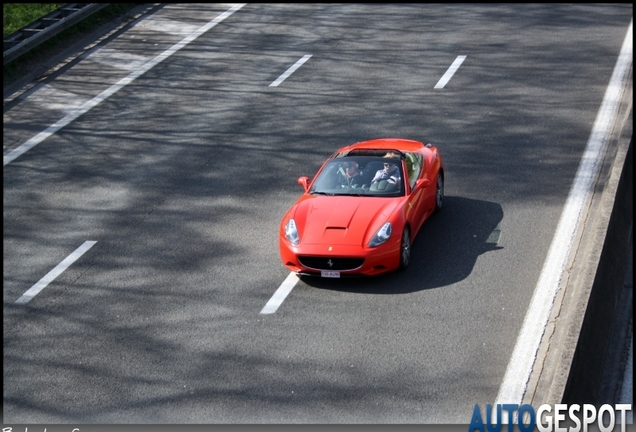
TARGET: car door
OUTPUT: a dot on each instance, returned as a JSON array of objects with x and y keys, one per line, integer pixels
[{"x": 417, "y": 198}]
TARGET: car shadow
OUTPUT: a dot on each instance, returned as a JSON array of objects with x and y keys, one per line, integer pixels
[{"x": 444, "y": 251}]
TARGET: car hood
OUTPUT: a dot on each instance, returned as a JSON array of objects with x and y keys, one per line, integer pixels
[{"x": 342, "y": 220}]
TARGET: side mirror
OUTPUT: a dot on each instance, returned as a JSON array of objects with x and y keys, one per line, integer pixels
[
  {"x": 304, "y": 182},
  {"x": 422, "y": 183}
]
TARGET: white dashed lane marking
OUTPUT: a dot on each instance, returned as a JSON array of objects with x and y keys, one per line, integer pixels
[
  {"x": 58, "y": 270},
  {"x": 450, "y": 72},
  {"x": 281, "y": 293},
  {"x": 290, "y": 71}
]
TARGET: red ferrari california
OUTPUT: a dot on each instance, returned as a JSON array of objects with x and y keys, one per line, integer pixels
[{"x": 362, "y": 210}]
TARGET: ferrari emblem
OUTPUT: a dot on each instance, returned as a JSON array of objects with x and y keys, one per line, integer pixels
[
  {"x": 330, "y": 248},
  {"x": 330, "y": 263}
]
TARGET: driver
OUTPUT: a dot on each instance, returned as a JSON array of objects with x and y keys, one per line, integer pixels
[{"x": 350, "y": 172}]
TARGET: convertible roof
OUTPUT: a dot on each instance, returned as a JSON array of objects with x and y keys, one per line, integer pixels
[
  {"x": 380, "y": 147},
  {"x": 372, "y": 152},
  {"x": 400, "y": 144}
]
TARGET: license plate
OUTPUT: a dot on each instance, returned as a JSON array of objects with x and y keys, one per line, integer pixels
[{"x": 330, "y": 274}]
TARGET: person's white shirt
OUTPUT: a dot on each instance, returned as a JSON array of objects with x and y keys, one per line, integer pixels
[{"x": 390, "y": 172}]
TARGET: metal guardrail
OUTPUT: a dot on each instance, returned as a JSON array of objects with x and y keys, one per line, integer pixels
[{"x": 34, "y": 34}]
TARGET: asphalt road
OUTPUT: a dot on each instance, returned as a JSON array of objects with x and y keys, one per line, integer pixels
[{"x": 181, "y": 176}]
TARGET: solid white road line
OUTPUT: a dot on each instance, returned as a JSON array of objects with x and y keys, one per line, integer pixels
[
  {"x": 281, "y": 293},
  {"x": 290, "y": 71},
  {"x": 19, "y": 151},
  {"x": 58, "y": 270},
  {"x": 450, "y": 72},
  {"x": 521, "y": 363}
]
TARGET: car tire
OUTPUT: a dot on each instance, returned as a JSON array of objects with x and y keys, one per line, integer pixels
[
  {"x": 405, "y": 248},
  {"x": 439, "y": 192}
]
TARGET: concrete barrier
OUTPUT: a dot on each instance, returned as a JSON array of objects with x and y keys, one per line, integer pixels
[
  {"x": 586, "y": 372},
  {"x": 577, "y": 342}
]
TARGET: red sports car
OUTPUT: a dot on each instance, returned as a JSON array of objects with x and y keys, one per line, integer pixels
[{"x": 363, "y": 209}]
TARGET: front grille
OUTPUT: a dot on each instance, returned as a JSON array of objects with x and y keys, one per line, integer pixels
[{"x": 322, "y": 263}]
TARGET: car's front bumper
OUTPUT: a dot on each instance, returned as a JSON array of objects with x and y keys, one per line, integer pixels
[{"x": 378, "y": 260}]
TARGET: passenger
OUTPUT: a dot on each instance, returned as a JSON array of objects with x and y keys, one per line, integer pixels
[{"x": 390, "y": 173}]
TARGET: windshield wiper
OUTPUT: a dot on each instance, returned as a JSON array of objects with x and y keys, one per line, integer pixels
[{"x": 321, "y": 193}]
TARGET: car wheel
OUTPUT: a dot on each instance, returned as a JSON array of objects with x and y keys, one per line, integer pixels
[
  {"x": 439, "y": 192},
  {"x": 405, "y": 248}
]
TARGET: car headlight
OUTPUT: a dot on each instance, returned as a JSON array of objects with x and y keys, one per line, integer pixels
[
  {"x": 291, "y": 232},
  {"x": 383, "y": 234}
]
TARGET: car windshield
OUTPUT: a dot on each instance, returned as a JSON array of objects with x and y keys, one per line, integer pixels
[{"x": 360, "y": 176}]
